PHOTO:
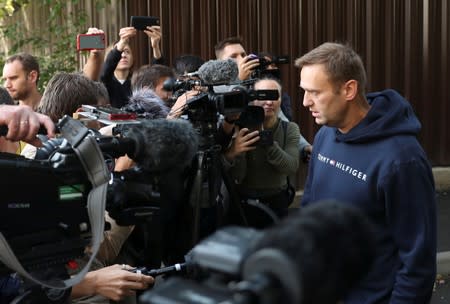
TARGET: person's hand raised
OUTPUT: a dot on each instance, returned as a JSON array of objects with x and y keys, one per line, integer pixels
[{"x": 125, "y": 34}]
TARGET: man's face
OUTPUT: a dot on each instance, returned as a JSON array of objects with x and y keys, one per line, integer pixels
[
  {"x": 163, "y": 94},
  {"x": 17, "y": 81},
  {"x": 233, "y": 51},
  {"x": 271, "y": 107},
  {"x": 327, "y": 104}
]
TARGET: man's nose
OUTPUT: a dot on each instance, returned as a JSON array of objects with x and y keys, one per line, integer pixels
[{"x": 306, "y": 100}]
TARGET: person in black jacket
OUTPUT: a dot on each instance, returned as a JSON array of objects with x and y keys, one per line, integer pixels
[{"x": 117, "y": 69}]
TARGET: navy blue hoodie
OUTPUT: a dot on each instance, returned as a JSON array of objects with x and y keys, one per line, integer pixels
[{"x": 380, "y": 167}]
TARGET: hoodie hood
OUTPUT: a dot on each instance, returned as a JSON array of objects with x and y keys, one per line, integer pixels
[{"x": 390, "y": 114}]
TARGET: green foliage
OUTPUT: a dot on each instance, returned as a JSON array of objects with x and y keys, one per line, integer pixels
[
  {"x": 54, "y": 43},
  {"x": 8, "y": 7}
]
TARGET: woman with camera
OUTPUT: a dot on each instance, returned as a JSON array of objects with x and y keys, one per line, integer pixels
[{"x": 261, "y": 160}]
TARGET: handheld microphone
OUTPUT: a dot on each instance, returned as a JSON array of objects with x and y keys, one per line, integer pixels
[{"x": 218, "y": 72}]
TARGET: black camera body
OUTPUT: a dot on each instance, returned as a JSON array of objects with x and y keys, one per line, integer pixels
[
  {"x": 262, "y": 69},
  {"x": 225, "y": 268},
  {"x": 252, "y": 118},
  {"x": 134, "y": 196},
  {"x": 264, "y": 62},
  {"x": 44, "y": 218}
]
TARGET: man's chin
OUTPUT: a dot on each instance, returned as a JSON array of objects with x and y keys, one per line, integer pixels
[{"x": 319, "y": 121}]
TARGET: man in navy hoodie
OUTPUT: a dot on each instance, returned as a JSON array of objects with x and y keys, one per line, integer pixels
[{"x": 366, "y": 154}]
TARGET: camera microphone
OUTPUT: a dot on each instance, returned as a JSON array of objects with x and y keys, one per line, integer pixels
[
  {"x": 146, "y": 104},
  {"x": 156, "y": 145},
  {"x": 218, "y": 72},
  {"x": 313, "y": 256},
  {"x": 328, "y": 244}
]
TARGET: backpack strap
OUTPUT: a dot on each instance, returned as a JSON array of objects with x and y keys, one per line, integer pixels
[{"x": 284, "y": 124}]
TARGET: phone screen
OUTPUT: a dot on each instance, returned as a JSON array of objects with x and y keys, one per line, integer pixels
[{"x": 91, "y": 42}]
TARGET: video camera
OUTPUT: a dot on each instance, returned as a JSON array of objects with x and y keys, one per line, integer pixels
[
  {"x": 56, "y": 212},
  {"x": 298, "y": 261},
  {"x": 204, "y": 109},
  {"x": 263, "y": 69},
  {"x": 53, "y": 207},
  {"x": 44, "y": 218},
  {"x": 227, "y": 268},
  {"x": 223, "y": 92}
]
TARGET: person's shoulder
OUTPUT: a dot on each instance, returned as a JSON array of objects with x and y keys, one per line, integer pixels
[
  {"x": 292, "y": 126},
  {"x": 405, "y": 147}
]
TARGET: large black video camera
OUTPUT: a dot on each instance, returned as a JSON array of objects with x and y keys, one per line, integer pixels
[
  {"x": 46, "y": 213},
  {"x": 43, "y": 214},
  {"x": 204, "y": 109},
  {"x": 298, "y": 261},
  {"x": 52, "y": 210},
  {"x": 43, "y": 209},
  {"x": 223, "y": 267}
]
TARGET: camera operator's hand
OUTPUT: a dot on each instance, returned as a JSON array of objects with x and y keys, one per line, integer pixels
[
  {"x": 23, "y": 123},
  {"x": 246, "y": 66},
  {"x": 154, "y": 33},
  {"x": 125, "y": 34},
  {"x": 180, "y": 104},
  {"x": 242, "y": 142},
  {"x": 228, "y": 123},
  {"x": 113, "y": 282}
]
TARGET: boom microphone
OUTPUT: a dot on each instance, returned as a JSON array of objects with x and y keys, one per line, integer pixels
[{"x": 218, "y": 72}]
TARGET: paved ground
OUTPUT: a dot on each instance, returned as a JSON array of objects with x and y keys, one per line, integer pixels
[{"x": 442, "y": 290}]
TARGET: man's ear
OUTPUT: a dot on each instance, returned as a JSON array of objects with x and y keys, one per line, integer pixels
[
  {"x": 33, "y": 76},
  {"x": 350, "y": 89}
]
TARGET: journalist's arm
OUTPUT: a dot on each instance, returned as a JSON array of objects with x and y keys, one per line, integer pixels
[{"x": 23, "y": 123}]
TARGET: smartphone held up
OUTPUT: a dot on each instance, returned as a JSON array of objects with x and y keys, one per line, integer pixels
[
  {"x": 141, "y": 22},
  {"x": 87, "y": 42}
]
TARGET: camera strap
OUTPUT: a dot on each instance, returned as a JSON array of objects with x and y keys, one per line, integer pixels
[{"x": 91, "y": 157}]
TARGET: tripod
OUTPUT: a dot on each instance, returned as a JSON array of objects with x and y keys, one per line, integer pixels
[{"x": 208, "y": 179}]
